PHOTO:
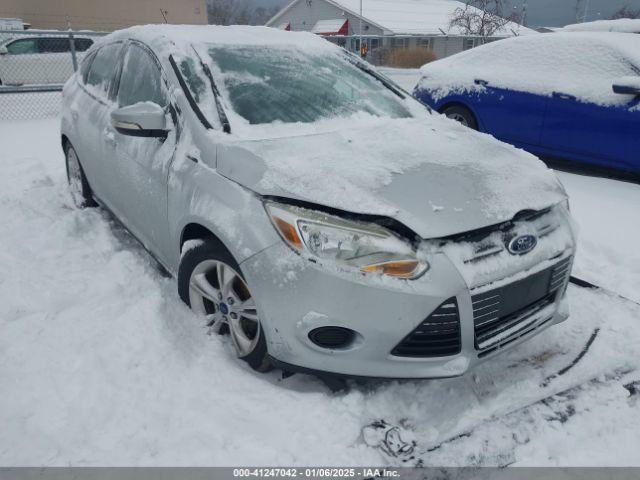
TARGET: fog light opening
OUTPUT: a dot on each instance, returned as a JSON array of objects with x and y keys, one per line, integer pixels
[{"x": 334, "y": 338}]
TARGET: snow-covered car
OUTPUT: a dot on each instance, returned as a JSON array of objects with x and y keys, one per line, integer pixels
[
  {"x": 35, "y": 59},
  {"x": 568, "y": 96},
  {"x": 311, "y": 208}
]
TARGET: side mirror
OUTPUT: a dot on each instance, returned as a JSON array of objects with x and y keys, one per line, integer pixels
[
  {"x": 144, "y": 119},
  {"x": 627, "y": 86},
  {"x": 3, "y": 50}
]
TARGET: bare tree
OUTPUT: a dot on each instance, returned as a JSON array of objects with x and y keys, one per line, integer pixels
[
  {"x": 482, "y": 18},
  {"x": 227, "y": 12},
  {"x": 626, "y": 12}
]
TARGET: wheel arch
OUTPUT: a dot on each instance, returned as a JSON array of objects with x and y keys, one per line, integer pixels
[
  {"x": 197, "y": 231},
  {"x": 460, "y": 103}
]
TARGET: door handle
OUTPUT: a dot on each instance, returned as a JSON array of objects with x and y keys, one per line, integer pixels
[{"x": 563, "y": 96}]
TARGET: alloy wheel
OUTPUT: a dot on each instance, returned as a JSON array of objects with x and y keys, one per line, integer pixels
[
  {"x": 220, "y": 293},
  {"x": 458, "y": 117}
]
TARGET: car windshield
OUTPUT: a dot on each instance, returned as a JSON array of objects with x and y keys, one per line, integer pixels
[{"x": 265, "y": 85}]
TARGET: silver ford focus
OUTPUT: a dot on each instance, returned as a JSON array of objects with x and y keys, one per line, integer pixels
[{"x": 310, "y": 208}]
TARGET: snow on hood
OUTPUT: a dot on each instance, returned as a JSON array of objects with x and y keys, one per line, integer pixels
[
  {"x": 584, "y": 65},
  {"x": 434, "y": 176}
]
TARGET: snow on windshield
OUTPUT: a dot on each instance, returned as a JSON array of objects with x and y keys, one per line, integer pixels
[
  {"x": 263, "y": 85},
  {"x": 584, "y": 65}
]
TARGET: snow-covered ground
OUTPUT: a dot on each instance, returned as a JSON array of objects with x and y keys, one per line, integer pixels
[{"x": 101, "y": 364}]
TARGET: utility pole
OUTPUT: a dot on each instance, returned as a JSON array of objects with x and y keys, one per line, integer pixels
[
  {"x": 586, "y": 10},
  {"x": 582, "y": 10},
  {"x": 360, "y": 31},
  {"x": 524, "y": 13}
]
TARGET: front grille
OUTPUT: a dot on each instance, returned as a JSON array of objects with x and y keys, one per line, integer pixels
[
  {"x": 504, "y": 314},
  {"x": 437, "y": 336}
]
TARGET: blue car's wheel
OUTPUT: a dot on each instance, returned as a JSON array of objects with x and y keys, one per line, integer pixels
[{"x": 462, "y": 115}]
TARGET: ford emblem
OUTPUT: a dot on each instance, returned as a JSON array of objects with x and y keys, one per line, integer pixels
[{"x": 522, "y": 244}]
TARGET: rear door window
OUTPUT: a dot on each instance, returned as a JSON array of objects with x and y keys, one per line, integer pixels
[
  {"x": 54, "y": 45},
  {"x": 103, "y": 66},
  {"x": 141, "y": 79}
]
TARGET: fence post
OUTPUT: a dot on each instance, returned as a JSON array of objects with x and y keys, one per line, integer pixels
[{"x": 72, "y": 45}]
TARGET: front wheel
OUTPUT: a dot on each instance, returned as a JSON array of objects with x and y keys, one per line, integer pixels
[
  {"x": 462, "y": 115},
  {"x": 211, "y": 283}
]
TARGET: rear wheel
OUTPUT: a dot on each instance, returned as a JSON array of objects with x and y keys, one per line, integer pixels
[
  {"x": 78, "y": 184},
  {"x": 462, "y": 115},
  {"x": 211, "y": 283}
]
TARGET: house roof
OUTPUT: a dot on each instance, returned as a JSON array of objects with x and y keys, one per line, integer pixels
[
  {"x": 411, "y": 17},
  {"x": 337, "y": 26}
]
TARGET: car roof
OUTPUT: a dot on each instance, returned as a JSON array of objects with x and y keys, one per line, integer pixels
[
  {"x": 164, "y": 38},
  {"x": 627, "y": 43}
]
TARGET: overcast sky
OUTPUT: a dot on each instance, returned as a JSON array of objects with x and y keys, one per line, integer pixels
[
  {"x": 555, "y": 13},
  {"x": 551, "y": 13}
]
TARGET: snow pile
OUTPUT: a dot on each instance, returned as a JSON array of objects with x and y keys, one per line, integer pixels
[
  {"x": 622, "y": 25},
  {"x": 419, "y": 17},
  {"x": 584, "y": 65}
]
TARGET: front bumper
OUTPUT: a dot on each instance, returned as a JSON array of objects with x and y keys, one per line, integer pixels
[{"x": 295, "y": 297}]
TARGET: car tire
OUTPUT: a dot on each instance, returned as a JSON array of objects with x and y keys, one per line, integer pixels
[
  {"x": 78, "y": 184},
  {"x": 227, "y": 305},
  {"x": 461, "y": 115}
]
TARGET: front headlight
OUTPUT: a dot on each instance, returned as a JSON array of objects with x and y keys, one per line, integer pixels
[{"x": 323, "y": 238}]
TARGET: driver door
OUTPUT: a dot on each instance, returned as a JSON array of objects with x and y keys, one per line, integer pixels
[{"x": 141, "y": 164}]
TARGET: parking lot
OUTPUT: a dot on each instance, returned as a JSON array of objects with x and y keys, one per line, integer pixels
[{"x": 105, "y": 366}]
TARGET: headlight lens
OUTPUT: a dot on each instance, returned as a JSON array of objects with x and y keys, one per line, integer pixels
[{"x": 368, "y": 248}]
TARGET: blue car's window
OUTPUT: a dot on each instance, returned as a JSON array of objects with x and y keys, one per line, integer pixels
[{"x": 266, "y": 85}]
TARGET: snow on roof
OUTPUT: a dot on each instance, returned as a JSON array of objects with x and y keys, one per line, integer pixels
[
  {"x": 582, "y": 64},
  {"x": 421, "y": 17},
  {"x": 329, "y": 26},
  {"x": 157, "y": 36},
  {"x": 622, "y": 25}
]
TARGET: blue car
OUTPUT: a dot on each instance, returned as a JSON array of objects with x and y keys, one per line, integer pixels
[{"x": 566, "y": 96}]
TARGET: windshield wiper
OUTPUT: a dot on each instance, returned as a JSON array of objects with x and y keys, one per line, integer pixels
[
  {"x": 226, "y": 126},
  {"x": 351, "y": 58}
]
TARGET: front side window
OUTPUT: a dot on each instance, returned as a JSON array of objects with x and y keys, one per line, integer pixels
[
  {"x": 265, "y": 85},
  {"x": 24, "y": 46},
  {"x": 141, "y": 79},
  {"x": 103, "y": 67}
]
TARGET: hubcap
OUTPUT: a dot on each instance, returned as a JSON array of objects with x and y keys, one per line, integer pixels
[
  {"x": 458, "y": 118},
  {"x": 74, "y": 175},
  {"x": 210, "y": 283}
]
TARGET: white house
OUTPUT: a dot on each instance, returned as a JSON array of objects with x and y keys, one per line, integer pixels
[{"x": 386, "y": 23}]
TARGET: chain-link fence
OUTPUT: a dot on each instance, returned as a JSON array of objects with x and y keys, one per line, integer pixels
[{"x": 34, "y": 65}]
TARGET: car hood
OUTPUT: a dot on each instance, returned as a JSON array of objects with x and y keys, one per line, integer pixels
[{"x": 434, "y": 176}]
